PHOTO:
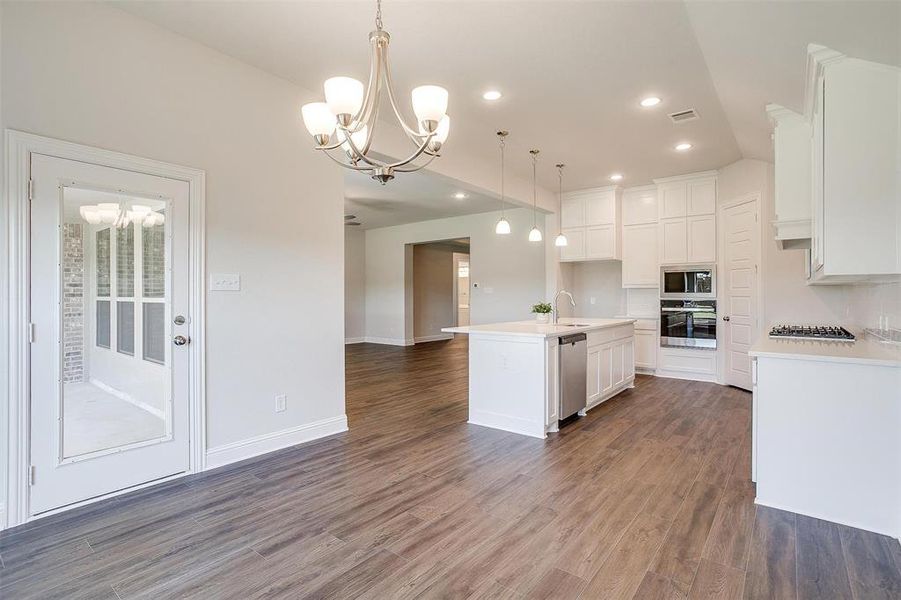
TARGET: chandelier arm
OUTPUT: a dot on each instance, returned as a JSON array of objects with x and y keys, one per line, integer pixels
[
  {"x": 360, "y": 156},
  {"x": 373, "y": 120},
  {"x": 414, "y": 135},
  {"x": 370, "y": 99},
  {"x": 422, "y": 148},
  {"x": 346, "y": 165},
  {"x": 416, "y": 167}
]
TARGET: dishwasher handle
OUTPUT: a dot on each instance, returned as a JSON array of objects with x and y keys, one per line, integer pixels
[{"x": 572, "y": 339}]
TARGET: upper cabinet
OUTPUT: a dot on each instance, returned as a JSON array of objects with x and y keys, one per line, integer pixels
[
  {"x": 687, "y": 218},
  {"x": 640, "y": 266},
  {"x": 837, "y": 175},
  {"x": 592, "y": 220}
]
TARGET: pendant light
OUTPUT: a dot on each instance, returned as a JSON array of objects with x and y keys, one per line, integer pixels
[
  {"x": 503, "y": 226},
  {"x": 561, "y": 240},
  {"x": 535, "y": 234}
]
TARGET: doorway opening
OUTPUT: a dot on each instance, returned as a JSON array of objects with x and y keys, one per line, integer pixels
[{"x": 438, "y": 276}]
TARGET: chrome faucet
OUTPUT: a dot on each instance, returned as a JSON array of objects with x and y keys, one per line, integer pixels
[{"x": 556, "y": 310}]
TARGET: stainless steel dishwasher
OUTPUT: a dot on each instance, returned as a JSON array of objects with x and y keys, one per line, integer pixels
[{"x": 573, "y": 374}]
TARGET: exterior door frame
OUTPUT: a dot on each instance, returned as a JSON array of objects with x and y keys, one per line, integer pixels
[
  {"x": 15, "y": 298},
  {"x": 757, "y": 199}
]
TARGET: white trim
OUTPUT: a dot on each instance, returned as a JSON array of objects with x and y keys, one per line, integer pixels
[
  {"x": 15, "y": 297},
  {"x": 354, "y": 340},
  {"x": 387, "y": 341},
  {"x": 270, "y": 442},
  {"x": 485, "y": 418},
  {"x": 685, "y": 177},
  {"x": 433, "y": 338},
  {"x": 156, "y": 412}
]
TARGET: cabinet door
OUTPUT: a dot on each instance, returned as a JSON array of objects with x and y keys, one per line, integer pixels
[
  {"x": 673, "y": 241},
  {"x": 575, "y": 247},
  {"x": 617, "y": 364},
  {"x": 702, "y": 238},
  {"x": 573, "y": 212},
  {"x": 640, "y": 256},
  {"x": 639, "y": 206},
  {"x": 600, "y": 242},
  {"x": 605, "y": 366},
  {"x": 702, "y": 197},
  {"x": 816, "y": 185},
  {"x": 671, "y": 200},
  {"x": 628, "y": 360},
  {"x": 600, "y": 208},
  {"x": 594, "y": 374},
  {"x": 645, "y": 349}
]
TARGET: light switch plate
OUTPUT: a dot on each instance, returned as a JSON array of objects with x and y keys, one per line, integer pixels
[{"x": 225, "y": 282}]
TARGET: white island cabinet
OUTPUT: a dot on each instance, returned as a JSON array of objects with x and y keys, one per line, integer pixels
[
  {"x": 513, "y": 370},
  {"x": 826, "y": 430}
]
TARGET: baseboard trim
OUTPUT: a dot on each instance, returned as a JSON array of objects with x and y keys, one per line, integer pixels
[
  {"x": 825, "y": 517},
  {"x": 686, "y": 375},
  {"x": 507, "y": 423},
  {"x": 354, "y": 340},
  {"x": 270, "y": 442},
  {"x": 127, "y": 398},
  {"x": 433, "y": 338},
  {"x": 387, "y": 341}
]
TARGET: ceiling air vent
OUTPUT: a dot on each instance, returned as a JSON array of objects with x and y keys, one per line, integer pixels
[{"x": 684, "y": 115}]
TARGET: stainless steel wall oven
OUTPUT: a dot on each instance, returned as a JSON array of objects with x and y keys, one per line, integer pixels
[{"x": 688, "y": 323}]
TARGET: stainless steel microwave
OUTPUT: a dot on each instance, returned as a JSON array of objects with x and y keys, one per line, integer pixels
[{"x": 688, "y": 282}]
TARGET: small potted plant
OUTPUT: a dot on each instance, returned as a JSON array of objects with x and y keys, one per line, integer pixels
[{"x": 542, "y": 311}]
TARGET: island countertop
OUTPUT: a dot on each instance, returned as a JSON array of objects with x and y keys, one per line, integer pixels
[{"x": 565, "y": 326}]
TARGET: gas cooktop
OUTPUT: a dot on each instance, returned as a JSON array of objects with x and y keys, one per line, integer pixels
[{"x": 812, "y": 332}]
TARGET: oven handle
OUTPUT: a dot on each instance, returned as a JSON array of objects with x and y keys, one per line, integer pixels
[{"x": 690, "y": 309}]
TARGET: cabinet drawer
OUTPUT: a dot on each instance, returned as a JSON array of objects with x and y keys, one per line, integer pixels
[{"x": 602, "y": 336}]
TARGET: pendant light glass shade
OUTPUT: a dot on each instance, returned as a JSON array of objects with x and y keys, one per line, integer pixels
[
  {"x": 561, "y": 240},
  {"x": 535, "y": 235},
  {"x": 502, "y": 227},
  {"x": 318, "y": 119},
  {"x": 429, "y": 103},
  {"x": 344, "y": 95},
  {"x": 358, "y": 138}
]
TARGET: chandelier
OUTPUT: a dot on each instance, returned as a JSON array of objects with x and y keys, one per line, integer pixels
[
  {"x": 116, "y": 215},
  {"x": 350, "y": 113}
]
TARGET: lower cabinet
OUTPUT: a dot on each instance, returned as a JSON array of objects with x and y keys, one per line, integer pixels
[
  {"x": 611, "y": 368},
  {"x": 646, "y": 349}
]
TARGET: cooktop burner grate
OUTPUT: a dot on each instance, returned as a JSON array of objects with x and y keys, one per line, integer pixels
[{"x": 812, "y": 332}]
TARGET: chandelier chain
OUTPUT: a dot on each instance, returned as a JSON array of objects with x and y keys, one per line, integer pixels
[{"x": 378, "y": 15}]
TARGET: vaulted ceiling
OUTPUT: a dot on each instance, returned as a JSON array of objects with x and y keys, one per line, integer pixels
[{"x": 572, "y": 73}]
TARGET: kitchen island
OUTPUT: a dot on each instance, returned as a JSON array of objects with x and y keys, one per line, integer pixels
[{"x": 513, "y": 370}]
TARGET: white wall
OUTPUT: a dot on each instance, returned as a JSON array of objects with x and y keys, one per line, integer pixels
[
  {"x": 92, "y": 74},
  {"x": 787, "y": 299},
  {"x": 433, "y": 290},
  {"x": 601, "y": 281},
  {"x": 354, "y": 284},
  {"x": 509, "y": 270}
]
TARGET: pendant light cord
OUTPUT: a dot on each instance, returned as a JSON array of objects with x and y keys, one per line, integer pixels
[
  {"x": 502, "y": 135},
  {"x": 560, "y": 195},
  {"x": 534, "y": 154}
]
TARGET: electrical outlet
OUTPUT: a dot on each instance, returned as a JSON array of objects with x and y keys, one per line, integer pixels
[
  {"x": 225, "y": 282},
  {"x": 281, "y": 403},
  {"x": 593, "y": 300}
]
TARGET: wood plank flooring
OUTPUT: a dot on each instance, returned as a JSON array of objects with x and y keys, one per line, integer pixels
[{"x": 646, "y": 497}]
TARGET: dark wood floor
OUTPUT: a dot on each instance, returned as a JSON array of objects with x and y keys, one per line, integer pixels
[{"x": 646, "y": 497}]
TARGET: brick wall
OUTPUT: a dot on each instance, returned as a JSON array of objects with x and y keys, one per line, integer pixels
[{"x": 73, "y": 303}]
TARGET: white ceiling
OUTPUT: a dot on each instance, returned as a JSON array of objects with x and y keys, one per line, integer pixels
[
  {"x": 572, "y": 73},
  {"x": 413, "y": 197}
]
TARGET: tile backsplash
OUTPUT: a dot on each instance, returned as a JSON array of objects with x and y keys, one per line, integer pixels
[{"x": 876, "y": 305}]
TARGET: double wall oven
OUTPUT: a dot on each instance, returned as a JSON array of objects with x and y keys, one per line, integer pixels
[{"x": 688, "y": 306}]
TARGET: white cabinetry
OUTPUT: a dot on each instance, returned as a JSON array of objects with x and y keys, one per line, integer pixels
[
  {"x": 591, "y": 220},
  {"x": 646, "y": 344},
  {"x": 856, "y": 189},
  {"x": 687, "y": 218},
  {"x": 639, "y": 244},
  {"x": 793, "y": 201},
  {"x": 611, "y": 363}
]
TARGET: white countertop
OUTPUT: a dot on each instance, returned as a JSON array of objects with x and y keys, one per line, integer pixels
[
  {"x": 535, "y": 329},
  {"x": 861, "y": 351}
]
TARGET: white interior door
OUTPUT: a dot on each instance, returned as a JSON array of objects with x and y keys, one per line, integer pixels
[
  {"x": 461, "y": 273},
  {"x": 108, "y": 295},
  {"x": 740, "y": 311}
]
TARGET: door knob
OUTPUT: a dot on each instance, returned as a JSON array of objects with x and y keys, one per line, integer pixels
[
  {"x": 725, "y": 318},
  {"x": 181, "y": 340}
]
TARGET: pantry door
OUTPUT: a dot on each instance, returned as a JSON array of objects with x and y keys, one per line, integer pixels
[{"x": 109, "y": 322}]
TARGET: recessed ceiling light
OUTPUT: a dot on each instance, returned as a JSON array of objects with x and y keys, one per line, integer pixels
[
  {"x": 683, "y": 146},
  {"x": 492, "y": 95},
  {"x": 616, "y": 177},
  {"x": 460, "y": 196},
  {"x": 650, "y": 101}
]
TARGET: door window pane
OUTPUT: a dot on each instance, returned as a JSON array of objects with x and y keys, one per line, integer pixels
[
  {"x": 102, "y": 325},
  {"x": 125, "y": 327},
  {"x": 154, "y": 260},
  {"x": 125, "y": 262},
  {"x": 155, "y": 332},
  {"x": 102, "y": 252}
]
